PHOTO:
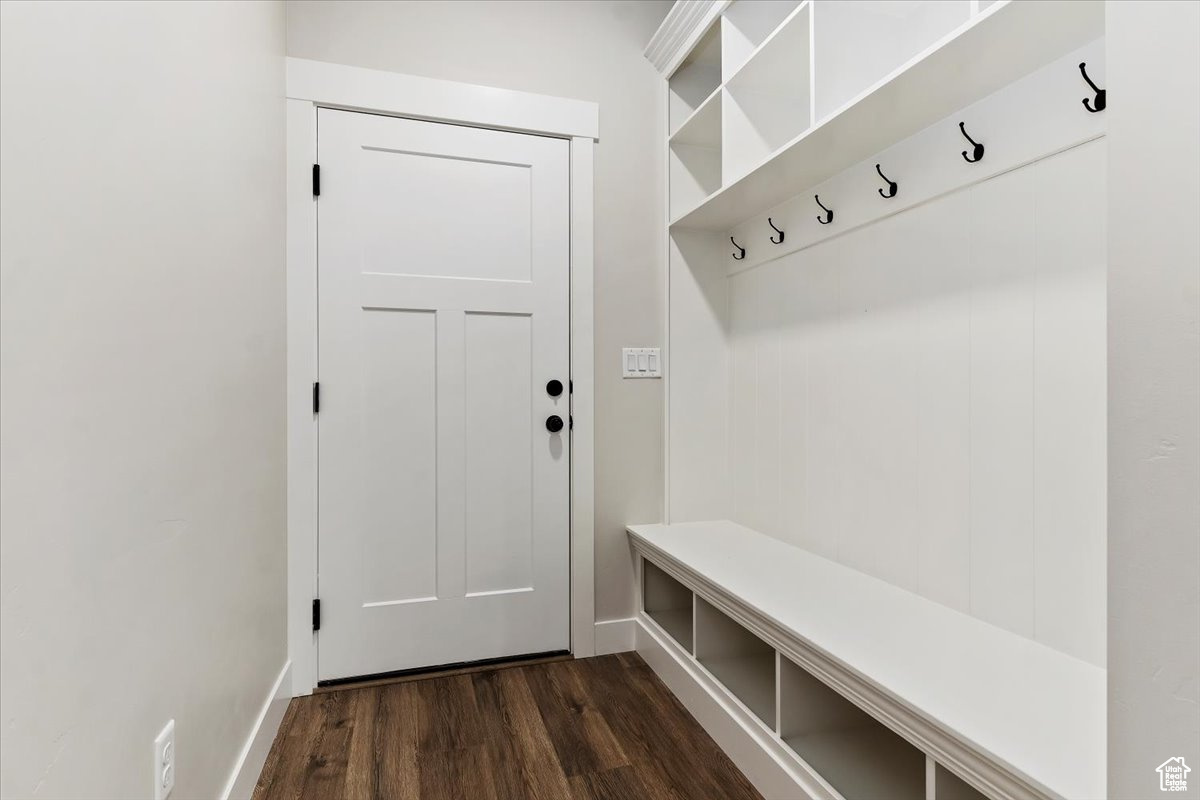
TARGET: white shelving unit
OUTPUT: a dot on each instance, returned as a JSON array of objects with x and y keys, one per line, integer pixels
[
  {"x": 796, "y": 374},
  {"x": 804, "y": 105},
  {"x": 860, "y": 661}
]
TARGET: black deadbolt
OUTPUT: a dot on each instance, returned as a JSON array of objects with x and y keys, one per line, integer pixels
[
  {"x": 554, "y": 388},
  {"x": 554, "y": 423}
]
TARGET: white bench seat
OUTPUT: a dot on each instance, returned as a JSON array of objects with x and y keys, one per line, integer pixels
[{"x": 1021, "y": 718}]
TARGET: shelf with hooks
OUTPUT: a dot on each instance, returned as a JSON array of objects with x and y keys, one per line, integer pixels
[{"x": 1001, "y": 44}]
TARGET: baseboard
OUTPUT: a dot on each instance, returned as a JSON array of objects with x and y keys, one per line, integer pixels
[
  {"x": 254, "y": 753},
  {"x": 616, "y": 636},
  {"x": 752, "y": 746}
]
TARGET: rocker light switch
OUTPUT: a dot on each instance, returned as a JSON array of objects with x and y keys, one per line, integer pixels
[{"x": 641, "y": 362}]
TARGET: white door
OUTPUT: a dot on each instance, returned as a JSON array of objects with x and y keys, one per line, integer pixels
[{"x": 443, "y": 316}]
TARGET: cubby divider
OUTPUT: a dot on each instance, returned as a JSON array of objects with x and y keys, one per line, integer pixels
[
  {"x": 768, "y": 99},
  {"x": 743, "y": 663},
  {"x": 856, "y": 754},
  {"x": 745, "y": 25},
  {"x": 669, "y": 603},
  {"x": 948, "y": 786}
]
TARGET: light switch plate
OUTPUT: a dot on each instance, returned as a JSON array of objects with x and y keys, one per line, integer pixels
[{"x": 641, "y": 362}]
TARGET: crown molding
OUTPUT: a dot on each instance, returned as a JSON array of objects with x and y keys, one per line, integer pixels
[{"x": 684, "y": 24}]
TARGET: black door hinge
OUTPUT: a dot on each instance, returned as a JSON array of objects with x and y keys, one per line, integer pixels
[
  {"x": 317, "y": 397},
  {"x": 316, "y": 614},
  {"x": 316, "y": 180}
]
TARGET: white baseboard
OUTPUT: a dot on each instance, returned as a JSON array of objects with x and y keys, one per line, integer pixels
[
  {"x": 616, "y": 636},
  {"x": 254, "y": 753},
  {"x": 752, "y": 746}
]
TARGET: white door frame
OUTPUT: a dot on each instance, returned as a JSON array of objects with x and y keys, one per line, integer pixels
[{"x": 314, "y": 84}]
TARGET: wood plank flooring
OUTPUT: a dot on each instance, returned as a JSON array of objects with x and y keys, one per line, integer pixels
[{"x": 599, "y": 728}]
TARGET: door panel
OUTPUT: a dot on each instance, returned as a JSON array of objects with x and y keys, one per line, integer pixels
[
  {"x": 444, "y": 501},
  {"x": 499, "y": 458}
]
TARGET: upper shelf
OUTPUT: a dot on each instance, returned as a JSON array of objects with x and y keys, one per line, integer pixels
[{"x": 1003, "y": 43}]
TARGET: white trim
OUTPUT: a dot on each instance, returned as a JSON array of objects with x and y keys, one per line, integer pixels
[
  {"x": 583, "y": 594},
  {"x": 301, "y": 372},
  {"x": 253, "y": 755},
  {"x": 378, "y": 91},
  {"x": 312, "y": 84},
  {"x": 684, "y": 24},
  {"x": 616, "y": 636}
]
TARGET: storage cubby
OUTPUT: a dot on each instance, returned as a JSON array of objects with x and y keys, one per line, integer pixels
[
  {"x": 767, "y": 102},
  {"x": 743, "y": 663},
  {"x": 857, "y": 44},
  {"x": 695, "y": 157},
  {"x": 948, "y": 786},
  {"x": 696, "y": 79},
  {"x": 859, "y": 756},
  {"x": 746, "y": 24},
  {"x": 668, "y": 602}
]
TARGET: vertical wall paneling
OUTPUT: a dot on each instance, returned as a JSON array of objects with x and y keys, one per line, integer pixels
[
  {"x": 1070, "y": 406},
  {"x": 1002, "y": 304},
  {"x": 699, "y": 394},
  {"x": 940, "y": 237}
]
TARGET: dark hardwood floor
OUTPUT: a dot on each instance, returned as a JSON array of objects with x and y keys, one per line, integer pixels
[{"x": 591, "y": 729}]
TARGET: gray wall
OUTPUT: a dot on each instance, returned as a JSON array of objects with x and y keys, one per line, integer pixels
[
  {"x": 142, "y": 390},
  {"x": 590, "y": 51},
  {"x": 1153, "y": 394}
]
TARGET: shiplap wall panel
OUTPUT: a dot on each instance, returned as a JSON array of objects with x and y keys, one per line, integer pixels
[
  {"x": 1070, "y": 403},
  {"x": 941, "y": 236},
  {"x": 922, "y": 399},
  {"x": 1002, "y": 307},
  {"x": 699, "y": 479}
]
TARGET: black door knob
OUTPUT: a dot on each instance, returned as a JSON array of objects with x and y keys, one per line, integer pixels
[
  {"x": 554, "y": 423},
  {"x": 554, "y": 388}
]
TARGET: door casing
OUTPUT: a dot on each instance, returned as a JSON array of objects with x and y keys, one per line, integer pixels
[{"x": 312, "y": 85}]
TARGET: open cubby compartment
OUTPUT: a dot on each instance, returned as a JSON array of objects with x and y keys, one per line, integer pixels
[
  {"x": 855, "y": 753},
  {"x": 746, "y": 24},
  {"x": 767, "y": 103},
  {"x": 858, "y": 44},
  {"x": 743, "y": 663},
  {"x": 668, "y": 602},
  {"x": 695, "y": 173},
  {"x": 948, "y": 786},
  {"x": 696, "y": 78}
]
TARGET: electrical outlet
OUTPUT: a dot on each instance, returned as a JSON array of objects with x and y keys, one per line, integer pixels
[{"x": 164, "y": 762}]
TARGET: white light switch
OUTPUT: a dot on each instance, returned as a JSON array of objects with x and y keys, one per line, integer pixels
[{"x": 641, "y": 362}]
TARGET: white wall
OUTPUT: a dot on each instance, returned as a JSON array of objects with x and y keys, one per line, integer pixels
[
  {"x": 1154, "y": 395},
  {"x": 142, "y": 473},
  {"x": 590, "y": 51},
  {"x": 923, "y": 399}
]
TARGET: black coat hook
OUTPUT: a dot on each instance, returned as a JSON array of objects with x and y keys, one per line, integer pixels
[
  {"x": 1101, "y": 101},
  {"x": 773, "y": 239},
  {"x": 977, "y": 153},
  {"x": 736, "y": 256},
  {"x": 828, "y": 211},
  {"x": 893, "y": 187}
]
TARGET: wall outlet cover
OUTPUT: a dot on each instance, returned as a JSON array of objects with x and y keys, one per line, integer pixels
[{"x": 164, "y": 762}]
